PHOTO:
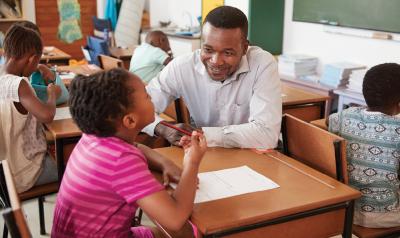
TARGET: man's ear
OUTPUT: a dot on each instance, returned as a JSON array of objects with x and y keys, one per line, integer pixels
[
  {"x": 245, "y": 46},
  {"x": 129, "y": 121}
]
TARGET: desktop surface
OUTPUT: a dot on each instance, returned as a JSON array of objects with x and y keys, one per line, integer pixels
[{"x": 301, "y": 189}]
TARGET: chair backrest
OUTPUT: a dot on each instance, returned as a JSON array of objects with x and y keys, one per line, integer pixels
[
  {"x": 12, "y": 213},
  {"x": 315, "y": 147},
  {"x": 99, "y": 25},
  {"x": 97, "y": 46},
  {"x": 108, "y": 62}
]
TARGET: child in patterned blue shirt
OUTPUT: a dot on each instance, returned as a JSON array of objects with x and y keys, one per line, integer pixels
[{"x": 373, "y": 147}]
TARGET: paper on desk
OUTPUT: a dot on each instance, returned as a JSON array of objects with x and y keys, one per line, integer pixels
[
  {"x": 62, "y": 113},
  {"x": 68, "y": 75},
  {"x": 231, "y": 182}
]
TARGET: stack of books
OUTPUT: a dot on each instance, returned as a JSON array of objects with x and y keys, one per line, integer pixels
[
  {"x": 297, "y": 65},
  {"x": 356, "y": 80},
  {"x": 337, "y": 74}
]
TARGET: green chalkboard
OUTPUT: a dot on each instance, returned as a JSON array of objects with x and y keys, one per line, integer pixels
[
  {"x": 266, "y": 24},
  {"x": 380, "y": 15}
]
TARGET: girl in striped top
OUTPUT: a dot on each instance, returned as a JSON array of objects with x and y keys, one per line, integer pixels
[{"x": 107, "y": 177}]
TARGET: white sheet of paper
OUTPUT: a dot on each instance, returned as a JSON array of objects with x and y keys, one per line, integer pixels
[
  {"x": 230, "y": 182},
  {"x": 69, "y": 75},
  {"x": 62, "y": 113}
]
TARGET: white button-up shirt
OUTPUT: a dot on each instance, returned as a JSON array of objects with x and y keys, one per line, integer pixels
[{"x": 244, "y": 111}]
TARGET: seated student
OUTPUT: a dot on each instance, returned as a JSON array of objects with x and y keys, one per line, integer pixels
[
  {"x": 23, "y": 142},
  {"x": 151, "y": 56},
  {"x": 43, "y": 76},
  {"x": 373, "y": 147},
  {"x": 107, "y": 176}
]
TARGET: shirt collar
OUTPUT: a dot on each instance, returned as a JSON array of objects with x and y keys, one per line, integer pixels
[{"x": 243, "y": 66}]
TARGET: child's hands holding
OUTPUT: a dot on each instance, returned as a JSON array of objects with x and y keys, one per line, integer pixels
[
  {"x": 53, "y": 89},
  {"x": 48, "y": 75},
  {"x": 194, "y": 146}
]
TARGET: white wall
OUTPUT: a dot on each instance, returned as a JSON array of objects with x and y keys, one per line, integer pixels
[
  {"x": 310, "y": 39},
  {"x": 28, "y": 10},
  {"x": 180, "y": 12},
  {"x": 243, "y": 5},
  {"x": 101, "y": 4},
  {"x": 176, "y": 10}
]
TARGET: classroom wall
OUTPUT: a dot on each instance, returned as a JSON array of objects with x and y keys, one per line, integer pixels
[
  {"x": 180, "y": 12},
  {"x": 47, "y": 19},
  {"x": 100, "y": 8},
  {"x": 308, "y": 38}
]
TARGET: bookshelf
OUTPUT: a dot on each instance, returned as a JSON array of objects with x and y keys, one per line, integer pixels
[{"x": 27, "y": 10}]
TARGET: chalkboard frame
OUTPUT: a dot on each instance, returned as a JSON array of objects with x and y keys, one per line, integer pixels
[{"x": 313, "y": 19}]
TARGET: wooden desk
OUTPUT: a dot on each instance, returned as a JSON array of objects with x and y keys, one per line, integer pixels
[
  {"x": 313, "y": 87},
  {"x": 78, "y": 69},
  {"x": 66, "y": 134},
  {"x": 307, "y": 204},
  {"x": 124, "y": 54},
  {"x": 55, "y": 57},
  {"x": 348, "y": 98},
  {"x": 302, "y": 104}
]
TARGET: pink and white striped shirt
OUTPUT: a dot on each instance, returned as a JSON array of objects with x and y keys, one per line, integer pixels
[{"x": 102, "y": 182}]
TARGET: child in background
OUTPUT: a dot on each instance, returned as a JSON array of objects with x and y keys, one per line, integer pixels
[
  {"x": 107, "y": 176},
  {"x": 151, "y": 56},
  {"x": 43, "y": 76},
  {"x": 373, "y": 147},
  {"x": 23, "y": 142}
]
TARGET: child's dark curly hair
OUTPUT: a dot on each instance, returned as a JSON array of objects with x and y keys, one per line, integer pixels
[
  {"x": 21, "y": 40},
  {"x": 381, "y": 86},
  {"x": 96, "y": 101}
]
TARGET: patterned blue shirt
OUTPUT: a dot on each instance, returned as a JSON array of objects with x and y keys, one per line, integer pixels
[{"x": 373, "y": 155}]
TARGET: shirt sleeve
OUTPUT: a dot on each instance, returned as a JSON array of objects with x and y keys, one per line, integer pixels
[
  {"x": 163, "y": 89},
  {"x": 159, "y": 55},
  {"x": 133, "y": 179},
  {"x": 9, "y": 85},
  {"x": 263, "y": 127}
]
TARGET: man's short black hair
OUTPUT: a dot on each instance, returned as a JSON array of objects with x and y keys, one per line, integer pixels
[
  {"x": 96, "y": 101},
  {"x": 381, "y": 86},
  {"x": 228, "y": 17}
]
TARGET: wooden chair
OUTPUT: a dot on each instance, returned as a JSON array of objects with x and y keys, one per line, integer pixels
[
  {"x": 315, "y": 147},
  {"x": 14, "y": 218},
  {"x": 321, "y": 150},
  {"x": 108, "y": 62},
  {"x": 40, "y": 192},
  {"x": 100, "y": 25},
  {"x": 325, "y": 152},
  {"x": 321, "y": 123},
  {"x": 364, "y": 232}
]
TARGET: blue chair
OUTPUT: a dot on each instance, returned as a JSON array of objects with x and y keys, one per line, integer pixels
[
  {"x": 96, "y": 46},
  {"x": 101, "y": 27}
]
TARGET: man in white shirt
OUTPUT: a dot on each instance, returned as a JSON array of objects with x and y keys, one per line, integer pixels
[{"x": 232, "y": 91}]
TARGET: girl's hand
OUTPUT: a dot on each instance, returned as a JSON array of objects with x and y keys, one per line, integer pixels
[
  {"x": 53, "y": 89},
  {"x": 47, "y": 75},
  {"x": 171, "y": 173},
  {"x": 194, "y": 147}
]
